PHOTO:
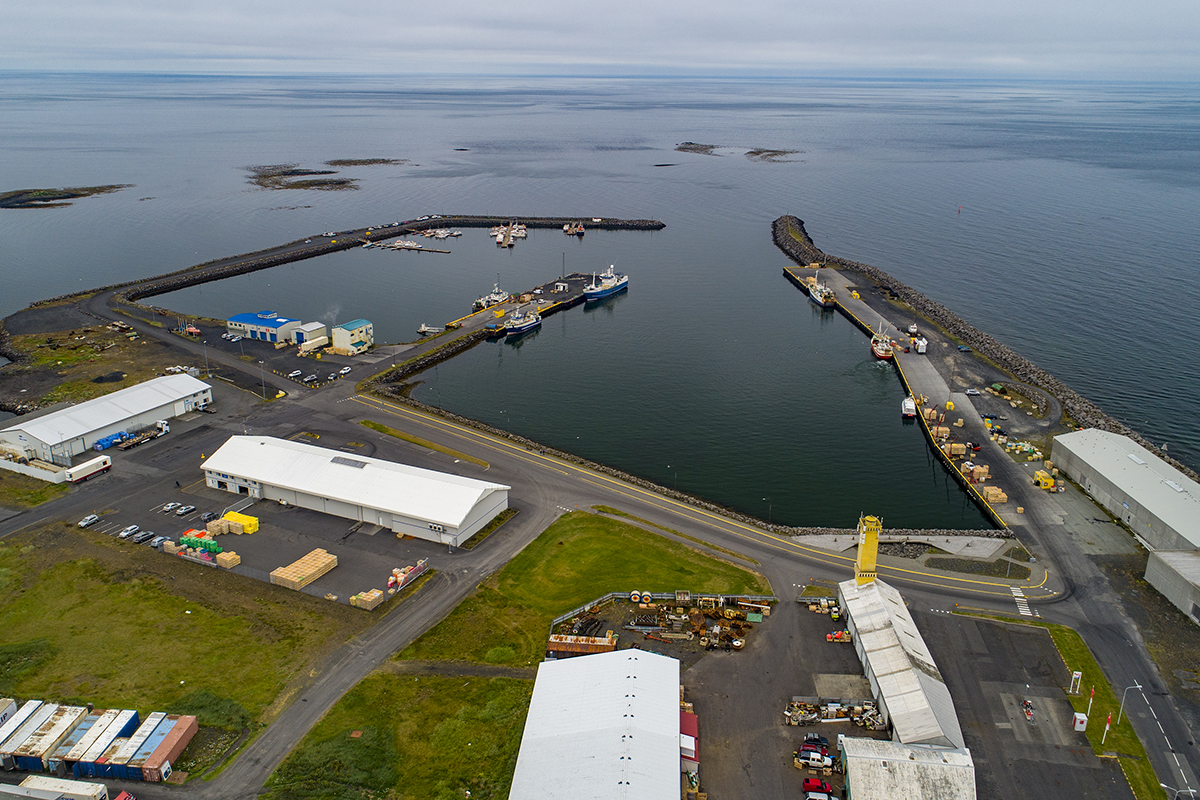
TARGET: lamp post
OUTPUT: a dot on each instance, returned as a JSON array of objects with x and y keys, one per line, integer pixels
[
  {"x": 1177, "y": 792},
  {"x": 263, "y": 378},
  {"x": 1137, "y": 686},
  {"x": 770, "y": 508},
  {"x": 207, "y": 371},
  {"x": 676, "y": 473}
]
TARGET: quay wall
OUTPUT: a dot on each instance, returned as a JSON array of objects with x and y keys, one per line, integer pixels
[{"x": 790, "y": 236}]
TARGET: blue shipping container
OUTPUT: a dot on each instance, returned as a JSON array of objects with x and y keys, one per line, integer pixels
[
  {"x": 60, "y": 753},
  {"x": 133, "y": 768},
  {"x": 124, "y": 726}
]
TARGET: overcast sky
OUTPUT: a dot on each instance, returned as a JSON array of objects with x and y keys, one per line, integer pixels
[{"x": 1019, "y": 38}]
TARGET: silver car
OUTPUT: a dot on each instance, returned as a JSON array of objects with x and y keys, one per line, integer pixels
[
  {"x": 130, "y": 531},
  {"x": 90, "y": 519}
]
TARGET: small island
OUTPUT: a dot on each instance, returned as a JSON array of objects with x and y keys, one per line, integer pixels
[{"x": 54, "y": 198}]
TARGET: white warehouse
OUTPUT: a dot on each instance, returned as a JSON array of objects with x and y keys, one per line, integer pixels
[
  {"x": 407, "y": 500},
  {"x": 58, "y": 436}
]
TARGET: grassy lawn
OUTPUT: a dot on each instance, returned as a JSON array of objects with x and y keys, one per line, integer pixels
[
  {"x": 697, "y": 540},
  {"x": 134, "y": 628},
  {"x": 580, "y": 557},
  {"x": 22, "y": 491},
  {"x": 430, "y": 737},
  {"x": 408, "y": 437},
  {"x": 493, "y": 526},
  {"x": 1121, "y": 739},
  {"x": 812, "y": 590}
]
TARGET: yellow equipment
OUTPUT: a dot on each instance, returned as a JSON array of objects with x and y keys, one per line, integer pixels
[
  {"x": 1043, "y": 479},
  {"x": 868, "y": 549}
]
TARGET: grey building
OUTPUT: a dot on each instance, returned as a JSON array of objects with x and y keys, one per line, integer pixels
[
  {"x": 1159, "y": 503},
  {"x": 1176, "y": 574}
]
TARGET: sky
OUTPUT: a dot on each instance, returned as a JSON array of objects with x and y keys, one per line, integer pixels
[{"x": 1075, "y": 39}]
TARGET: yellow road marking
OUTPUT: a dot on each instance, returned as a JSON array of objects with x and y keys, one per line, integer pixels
[{"x": 499, "y": 445}]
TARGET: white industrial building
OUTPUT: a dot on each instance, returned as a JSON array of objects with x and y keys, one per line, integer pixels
[
  {"x": 352, "y": 338},
  {"x": 882, "y": 770},
  {"x": 602, "y": 726},
  {"x": 905, "y": 680},
  {"x": 309, "y": 332},
  {"x": 408, "y": 500},
  {"x": 58, "y": 436},
  {"x": 1176, "y": 574},
  {"x": 1159, "y": 503},
  {"x": 264, "y": 325}
]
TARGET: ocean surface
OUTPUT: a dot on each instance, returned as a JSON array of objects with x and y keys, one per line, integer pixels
[{"x": 1058, "y": 217}]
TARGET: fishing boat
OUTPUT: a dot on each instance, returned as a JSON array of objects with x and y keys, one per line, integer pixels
[
  {"x": 521, "y": 322},
  {"x": 497, "y": 297},
  {"x": 908, "y": 408},
  {"x": 881, "y": 346},
  {"x": 605, "y": 285},
  {"x": 822, "y": 295},
  {"x": 426, "y": 330}
]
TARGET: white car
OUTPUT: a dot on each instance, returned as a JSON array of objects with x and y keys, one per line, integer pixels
[
  {"x": 90, "y": 519},
  {"x": 170, "y": 506},
  {"x": 183, "y": 511},
  {"x": 295, "y": 374},
  {"x": 130, "y": 531},
  {"x": 972, "y": 393},
  {"x": 344, "y": 371},
  {"x": 309, "y": 378},
  {"x": 332, "y": 376}
]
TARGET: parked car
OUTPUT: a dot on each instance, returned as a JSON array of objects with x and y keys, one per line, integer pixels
[
  {"x": 310, "y": 378},
  {"x": 344, "y": 371},
  {"x": 184, "y": 510},
  {"x": 170, "y": 506},
  {"x": 817, "y": 796},
  {"x": 332, "y": 376},
  {"x": 207, "y": 516},
  {"x": 90, "y": 519},
  {"x": 816, "y": 738},
  {"x": 157, "y": 541},
  {"x": 815, "y": 759},
  {"x": 817, "y": 785},
  {"x": 142, "y": 536},
  {"x": 130, "y": 531},
  {"x": 972, "y": 393},
  {"x": 962, "y": 348},
  {"x": 296, "y": 373},
  {"x": 236, "y": 339}
]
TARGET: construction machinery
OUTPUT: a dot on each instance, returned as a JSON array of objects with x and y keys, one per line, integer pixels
[{"x": 1044, "y": 480}]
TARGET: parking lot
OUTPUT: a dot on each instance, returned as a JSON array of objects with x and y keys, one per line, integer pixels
[{"x": 282, "y": 362}]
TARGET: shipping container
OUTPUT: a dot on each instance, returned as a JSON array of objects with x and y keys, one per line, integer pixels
[
  {"x": 119, "y": 761},
  {"x": 18, "y": 719},
  {"x": 73, "y": 790},
  {"x": 158, "y": 765},
  {"x": 10, "y": 746},
  {"x": 33, "y": 754},
  {"x": 57, "y": 759},
  {"x": 123, "y": 726},
  {"x": 133, "y": 768},
  {"x": 86, "y": 741},
  {"x": 8, "y": 707},
  {"x": 103, "y": 767}
]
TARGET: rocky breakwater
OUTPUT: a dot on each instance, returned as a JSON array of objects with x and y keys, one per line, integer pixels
[{"x": 791, "y": 237}]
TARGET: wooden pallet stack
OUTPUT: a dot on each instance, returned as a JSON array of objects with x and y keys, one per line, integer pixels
[
  {"x": 228, "y": 559},
  {"x": 368, "y": 600},
  {"x": 217, "y": 527},
  {"x": 301, "y": 573},
  {"x": 994, "y": 495}
]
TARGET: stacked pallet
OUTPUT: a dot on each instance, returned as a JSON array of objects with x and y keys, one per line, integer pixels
[
  {"x": 301, "y": 573},
  {"x": 958, "y": 449},
  {"x": 940, "y": 431},
  {"x": 170, "y": 548},
  {"x": 217, "y": 527},
  {"x": 368, "y": 600},
  {"x": 994, "y": 495},
  {"x": 249, "y": 524},
  {"x": 980, "y": 472},
  {"x": 930, "y": 414},
  {"x": 228, "y": 559}
]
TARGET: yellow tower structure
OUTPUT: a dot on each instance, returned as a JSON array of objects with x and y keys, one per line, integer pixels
[{"x": 868, "y": 549}]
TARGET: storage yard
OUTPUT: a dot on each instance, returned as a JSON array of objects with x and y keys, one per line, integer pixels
[{"x": 93, "y": 743}]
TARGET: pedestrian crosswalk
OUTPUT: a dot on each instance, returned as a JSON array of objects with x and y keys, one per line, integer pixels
[{"x": 1023, "y": 604}]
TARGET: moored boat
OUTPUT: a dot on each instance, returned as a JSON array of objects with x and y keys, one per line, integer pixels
[
  {"x": 605, "y": 285},
  {"x": 908, "y": 408},
  {"x": 497, "y": 297},
  {"x": 822, "y": 295},
  {"x": 521, "y": 322},
  {"x": 426, "y": 330},
  {"x": 881, "y": 346}
]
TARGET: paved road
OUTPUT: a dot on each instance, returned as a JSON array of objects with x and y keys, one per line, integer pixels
[{"x": 545, "y": 486}]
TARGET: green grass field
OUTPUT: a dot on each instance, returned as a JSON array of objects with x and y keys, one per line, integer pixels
[
  {"x": 424, "y": 737},
  {"x": 578, "y": 558},
  {"x": 22, "y": 491},
  {"x": 91, "y": 619}
]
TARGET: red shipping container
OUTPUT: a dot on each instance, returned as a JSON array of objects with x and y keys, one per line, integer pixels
[{"x": 158, "y": 765}]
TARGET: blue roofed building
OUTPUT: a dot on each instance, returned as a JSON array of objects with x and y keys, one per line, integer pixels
[
  {"x": 352, "y": 338},
  {"x": 266, "y": 326}
]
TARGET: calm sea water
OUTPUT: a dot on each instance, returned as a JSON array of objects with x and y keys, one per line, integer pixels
[{"x": 1075, "y": 244}]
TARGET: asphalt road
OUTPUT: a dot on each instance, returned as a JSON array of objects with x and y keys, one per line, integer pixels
[{"x": 544, "y": 486}]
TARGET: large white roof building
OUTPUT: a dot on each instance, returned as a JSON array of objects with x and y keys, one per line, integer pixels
[
  {"x": 903, "y": 676},
  {"x": 1158, "y": 502},
  {"x": 408, "y": 500},
  {"x": 882, "y": 770},
  {"x": 602, "y": 726},
  {"x": 57, "y": 436}
]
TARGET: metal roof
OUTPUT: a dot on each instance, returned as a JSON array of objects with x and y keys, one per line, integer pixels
[
  {"x": 918, "y": 702},
  {"x": 352, "y": 324},
  {"x": 263, "y": 319},
  {"x": 1156, "y": 486},
  {"x": 80, "y": 420},
  {"x": 599, "y": 727},
  {"x": 1185, "y": 563},
  {"x": 371, "y": 482},
  {"x": 881, "y": 770},
  {"x": 312, "y": 326}
]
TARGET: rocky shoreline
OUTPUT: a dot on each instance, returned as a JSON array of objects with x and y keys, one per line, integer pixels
[{"x": 790, "y": 236}]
